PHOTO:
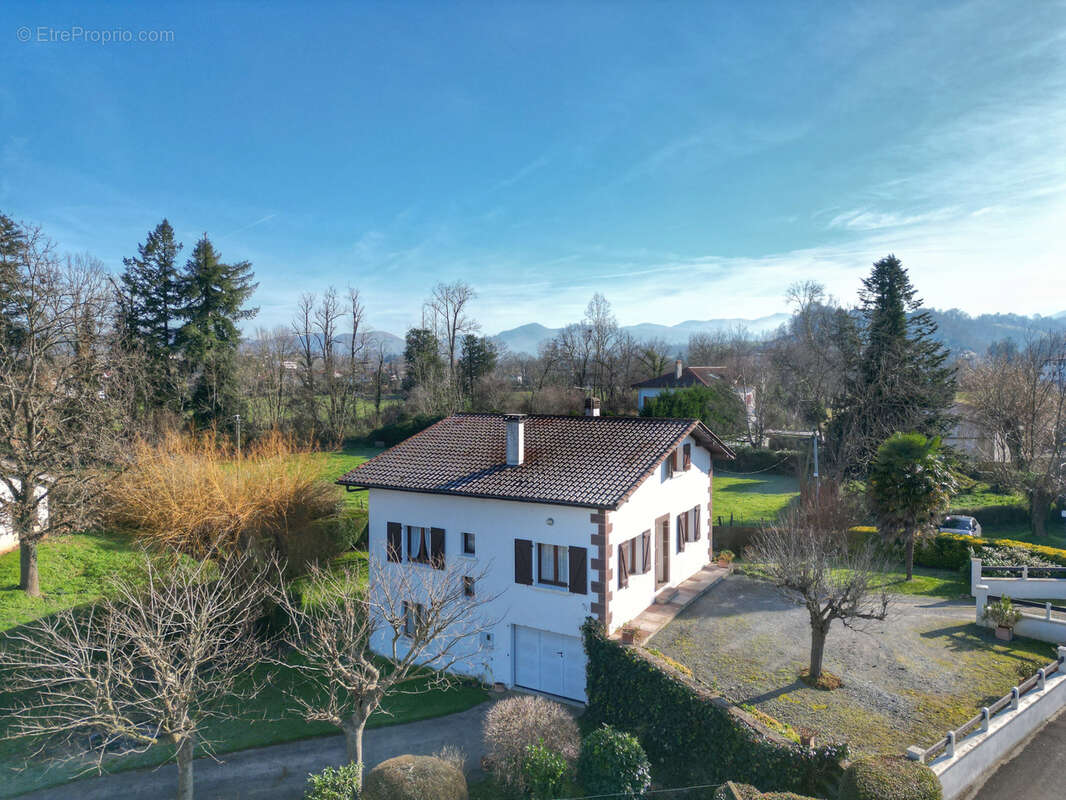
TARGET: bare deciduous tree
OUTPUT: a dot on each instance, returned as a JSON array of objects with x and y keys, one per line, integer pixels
[
  {"x": 147, "y": 666},
  {"x": 424, "y": 622},
  {"x": 1019, "y": 403},
  {"x": 808, "y": 553},
  {"x": 449, "y": 305},
  {"x": 60, "y": 415}
]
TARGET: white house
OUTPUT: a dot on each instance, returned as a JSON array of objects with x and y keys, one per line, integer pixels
[
  {"x": 9, "y": 540},
  {"x": 682, "y": 377},
  {"x": 563, "y": 518}
]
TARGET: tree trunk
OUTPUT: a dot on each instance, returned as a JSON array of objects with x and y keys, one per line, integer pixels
[
  {"x": 1038, "y": 512},
  {"x": 817, "y": 653},
  {"x": 185, "y": 761},
  {"x": 353, "y": 742},
  {"x": 910, "y": 554},
  {"x": 29, "y": 581}
]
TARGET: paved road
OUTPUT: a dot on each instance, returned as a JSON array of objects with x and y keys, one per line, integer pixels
[
  {"x": 280, "y": 772},
  {"x": 1035, "y": 773}
]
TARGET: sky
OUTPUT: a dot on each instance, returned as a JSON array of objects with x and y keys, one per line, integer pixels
[{"x": 687, "y": 160}]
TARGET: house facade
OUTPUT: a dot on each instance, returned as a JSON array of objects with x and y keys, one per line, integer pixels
[
  {"x": 559, "y": 518},
  {"x": 682, "y": 377}
]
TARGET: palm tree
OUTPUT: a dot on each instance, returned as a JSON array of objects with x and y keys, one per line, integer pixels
[{"x": 910, "y": 485}]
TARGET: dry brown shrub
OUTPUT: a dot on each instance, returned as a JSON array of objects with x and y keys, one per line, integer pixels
[
  {"x": 514, "y": 724},
  {"x": 192, "y": 494}
]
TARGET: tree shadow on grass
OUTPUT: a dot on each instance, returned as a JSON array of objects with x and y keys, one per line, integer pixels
[
  {"x": 971, "y": 638},
  {"x": 773, "y": 694}
]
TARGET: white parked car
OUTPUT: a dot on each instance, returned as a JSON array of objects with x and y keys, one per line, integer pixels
[{"x": 967, "y": 526}]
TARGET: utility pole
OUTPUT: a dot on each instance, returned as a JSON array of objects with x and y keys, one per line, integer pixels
[
  {"x": 237, "y": 417},
  {"x": 814, "y": 438}
]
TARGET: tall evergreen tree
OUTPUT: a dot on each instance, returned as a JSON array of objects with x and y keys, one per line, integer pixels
[
  {"x": 898, "y": 378},
  {"x": 13, "y": 243},
  {"x": 477, "y": 359},
  {"x": 213, "y": 294},
  {"x": 150, "y": 303}
]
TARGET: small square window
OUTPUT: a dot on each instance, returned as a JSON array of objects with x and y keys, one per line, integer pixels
[
  {"x": 469, "y": 548},
  {"x": 468, "y": 586}
]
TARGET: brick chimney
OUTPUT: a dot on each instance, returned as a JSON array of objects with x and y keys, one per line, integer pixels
[
  {"x": 516, "y": 439},
  {"x": 592, "y": 407},
  {"x": 677, "y": 369}
]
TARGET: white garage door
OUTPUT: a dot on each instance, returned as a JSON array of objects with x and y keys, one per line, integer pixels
[{"x": 549, "y": 662}]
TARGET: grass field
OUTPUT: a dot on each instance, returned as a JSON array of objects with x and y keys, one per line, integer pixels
[{"x": 755, "y": 497}]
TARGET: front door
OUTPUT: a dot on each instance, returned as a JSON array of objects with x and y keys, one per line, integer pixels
[{"x": 662, "y": 553}]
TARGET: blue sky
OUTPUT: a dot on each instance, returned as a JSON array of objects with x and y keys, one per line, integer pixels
[{"x": 688, "y": 160}]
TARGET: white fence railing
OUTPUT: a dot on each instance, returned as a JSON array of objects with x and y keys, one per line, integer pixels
[
  {"x": 1043, "y": 620},
  {"x": 975, "y": 748}
]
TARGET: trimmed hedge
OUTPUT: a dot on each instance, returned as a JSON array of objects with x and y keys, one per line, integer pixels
[
  {"x": 745, "y": 791},
  {"x": 415, "y": 778},
  {"x": 952, "y": 550},
  {"x": 396, "y": 432},
  {"x": 691, "y": 735},
  {"x": 758, "y": 459},
  {"x": 889, "y": 778},
  {"x": 1012, "y": 514}
]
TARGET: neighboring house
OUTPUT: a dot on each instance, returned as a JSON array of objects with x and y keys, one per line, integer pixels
[
  {"x": 9, "y": 540},
  {"x": 968, "y": 436},
  {"x": 564, "y": 517},
  {"x": 682, "y": 377}
]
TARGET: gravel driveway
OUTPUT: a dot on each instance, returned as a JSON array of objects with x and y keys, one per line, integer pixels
[{"x": 908, "y": 679}]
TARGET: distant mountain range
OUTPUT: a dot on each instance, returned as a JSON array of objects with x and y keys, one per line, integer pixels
[
  {"x": 528, "y": 338},
  {"x": 958, "y": 330}
]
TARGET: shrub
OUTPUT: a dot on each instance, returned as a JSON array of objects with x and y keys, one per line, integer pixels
[
  {"x": 414, "y": 778},
  {"x": 745, "y": 791},
  {"x": 1003, "y": 613},
  {"x": 889, "y": 778},
  {"x": 544, "y": 771},
  {"x": 334, "y": 784},
  {"x": 762, "y": 459},
  {"x": 516, "y": 723},
  {"x": 191, "y": 495},
  {"x": 613, "y": 762},
  {"x": 952, "y": 551}
]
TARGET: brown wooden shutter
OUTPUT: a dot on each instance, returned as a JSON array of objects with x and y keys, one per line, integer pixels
[
  {"x": 436, "y": 547},
  {"x": 394, "y": 541},
  {"x": 623, "y": 568},
  {"x": 523, "y": 561},
  {"x": 687, "y": 456},
  {"x": 578, "y": 570},
  {"x": 645, "y": 544},
  {"x": 682, "y": 534},
  {"x": 696, "y": 524}
]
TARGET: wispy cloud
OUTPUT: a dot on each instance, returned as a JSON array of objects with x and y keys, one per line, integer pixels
[{"x": 249, "y": 226}]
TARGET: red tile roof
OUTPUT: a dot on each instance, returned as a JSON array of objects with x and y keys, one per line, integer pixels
[
  {"x": 690, "y": 376},
  {"x": 593, "y": 462}
]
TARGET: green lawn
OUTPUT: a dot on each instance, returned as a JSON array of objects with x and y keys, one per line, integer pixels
[
  {"x": 74, "y": 570},
  {"x": 980, "y": 495},
  {"x": 941, "y": 583},
  {"x": 754, "y": 497},
  {"x": 338, "y": 462}
]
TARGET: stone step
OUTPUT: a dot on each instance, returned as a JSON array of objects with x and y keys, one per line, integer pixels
[{"x": 666, "y": 596}]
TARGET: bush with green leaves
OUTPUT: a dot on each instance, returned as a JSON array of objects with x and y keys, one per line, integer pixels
[
  {"x": 415, "y": 778},
  {"x": 1002, "y": 613},
  {"x": 516, "y": 723},
  {"x": 745, "y": 791},
  {"x": 544, "y": 771},
  {"x": 341, "y": 783},
  {"x": 613, "y": 762},
  {"x": 889, "y": 778}
]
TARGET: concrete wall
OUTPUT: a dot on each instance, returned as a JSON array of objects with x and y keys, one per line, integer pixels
[
  {"x": 1017, "y": 588},
  {"x": 978, "y": 756}
]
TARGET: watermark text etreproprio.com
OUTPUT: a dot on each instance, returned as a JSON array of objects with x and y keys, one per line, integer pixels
[{"x": 47, "y": 34}]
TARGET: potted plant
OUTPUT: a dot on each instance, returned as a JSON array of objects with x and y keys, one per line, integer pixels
[
  {"x": 1004, "y": 616},
  {"x": 631, "y": 634},
  {"x": 725, "y": 558}
]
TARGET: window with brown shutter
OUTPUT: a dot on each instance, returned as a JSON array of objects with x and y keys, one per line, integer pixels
[
  {"x": 696, "y": 524},
  {"x": 682, "y": 531},
  {"x": 687, "y": 462},
  {"x": 578, "y": 570},
  {"x": 645, "y": 545},
  {"x": 623, "y": 567},
  {"x": 523, "y": 561},
  {"x": 436, "y": 547},
  {"x": 394, "y": 541}
]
